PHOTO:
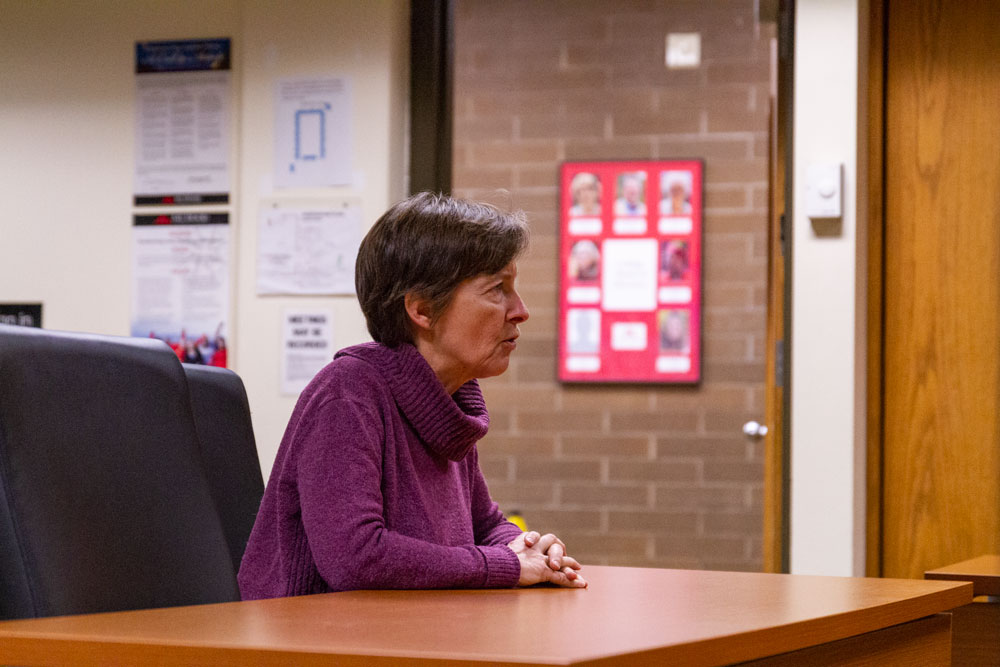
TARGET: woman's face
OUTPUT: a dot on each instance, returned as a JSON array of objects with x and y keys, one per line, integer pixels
[
  {"x": 477, "y": 332},
  {"x": 587, "y": 195}
]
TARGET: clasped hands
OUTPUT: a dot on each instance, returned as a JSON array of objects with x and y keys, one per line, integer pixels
[{"x": 543, "y": 559}]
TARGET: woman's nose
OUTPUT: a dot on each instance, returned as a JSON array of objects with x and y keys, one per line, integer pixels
[{"x": 518, "y": 312}]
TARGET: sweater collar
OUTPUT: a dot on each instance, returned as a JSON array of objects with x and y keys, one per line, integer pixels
[{"x": 448, "y": 425}]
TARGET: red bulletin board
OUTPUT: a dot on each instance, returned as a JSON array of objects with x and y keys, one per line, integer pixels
[{"x": 630, "y": 271}]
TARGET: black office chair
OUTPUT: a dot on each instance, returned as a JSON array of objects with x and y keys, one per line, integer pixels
[
  {"x": 104, "y": 504},
  {"x": 228, "y": 451}
]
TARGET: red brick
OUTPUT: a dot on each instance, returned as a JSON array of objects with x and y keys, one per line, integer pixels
[
  {"x": 563, "y": 521},
  {"x": 517, "y": 445},
  {"x": 484, "y": 128},
  {"x": 737, "y": 171},
  {"x": 704, "y": 497},
  {"x": 725, "y": 197},
  {"x": 707, "y": 148},
  {"x": 726, "y": 222},
  {"x": 653, "y": 471},
  {"x": 530, "y": 176},
  {"x": 734, "y": 371},
  {"x": 490, "y": 177},
  {"x": 628, "y": 123},
  {"x": 658, "y": 422},
  {"x": 609, "y": 544},
  {"x": 728, "y": 421},
  {"x": 534, "y": 421},
  {"x": 507, "y": 152},
  {"x": 522, "y": 494},
  {"x": 557, "y": 470},
  {"x": 601, "y": 397},
  {"x": 704, "y": 448},
  {"x": 549, "y": 125},
  {"x": 733, "y": 471},
  {"x": 733, "y": 524},
  {"x": 725, "y": 548},
  {"x": 605, "y": 496},
  {"x": 654, "y": 522},
  {"x": 619, "y": 149},
  {"x": 605, "y": 445},
  {"x": 727, "y": 346},
  {"x": 495, "y": 467},
  {"x": 506, "y": 397}
]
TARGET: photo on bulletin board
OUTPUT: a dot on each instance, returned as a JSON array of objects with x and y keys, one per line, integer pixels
[{"x": 630, "y": 271}]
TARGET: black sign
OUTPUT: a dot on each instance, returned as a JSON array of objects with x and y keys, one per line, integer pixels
[{"x": 21, "y": 314}]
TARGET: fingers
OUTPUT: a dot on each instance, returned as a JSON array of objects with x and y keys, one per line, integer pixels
[
  {"x": 563, "y": 579},
  {"x": 546, "y": 541},
  {"x": 569, "y": 561},
  {"x": 531, "y": 538},
  {"x": 556, "y": 553}
]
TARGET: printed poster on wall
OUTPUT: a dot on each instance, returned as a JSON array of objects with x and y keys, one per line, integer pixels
[
  {"x": 312, "y": 132},
  {"x": 630, "y": 271},
  {"x": 308, "y": 250},
  {"x": 180, "y": 283},
  {"x": 182, "y": 122},
  {"x": 307, "y": 346}
]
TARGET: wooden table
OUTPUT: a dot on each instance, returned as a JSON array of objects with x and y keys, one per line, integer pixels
[
  {"x": 628, "y": 616},
  {"x": 975, "y": 626}
]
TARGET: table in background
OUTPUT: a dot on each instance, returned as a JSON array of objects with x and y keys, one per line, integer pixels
[
  {"x": 975, "y": 626},
  {"x": 628, "y": 616}
]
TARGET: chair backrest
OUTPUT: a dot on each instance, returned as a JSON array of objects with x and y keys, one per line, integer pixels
[
  {"x": 228, "y": 451},
  {"x": 104, "y": 504}
]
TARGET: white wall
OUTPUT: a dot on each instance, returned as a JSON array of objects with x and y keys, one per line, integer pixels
[
  {"x": 66, "y": 146},
  {"x": 828, "y": 327}
]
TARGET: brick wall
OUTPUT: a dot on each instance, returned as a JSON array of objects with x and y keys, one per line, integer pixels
[{"x": 654, "y": 475}]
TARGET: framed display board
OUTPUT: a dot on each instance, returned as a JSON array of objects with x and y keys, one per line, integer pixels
[{"x": 630, "y": 271}]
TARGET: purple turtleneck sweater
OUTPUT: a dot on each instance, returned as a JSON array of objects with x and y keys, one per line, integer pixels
[{"x": 377, "y": 485}]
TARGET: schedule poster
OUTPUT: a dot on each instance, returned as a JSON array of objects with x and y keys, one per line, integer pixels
[
  {"x": 630, "y": 271},
  {"x": 182, "y": 122}
]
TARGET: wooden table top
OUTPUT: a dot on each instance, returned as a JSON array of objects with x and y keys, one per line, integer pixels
[
  {"x": 983, "y": 572},
  {"x": 651, "y": 616}
]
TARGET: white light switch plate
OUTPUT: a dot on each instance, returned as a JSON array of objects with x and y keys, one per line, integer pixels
[
  {"x": 824, "y": 191},
  {"x": 683, "y": 49}
]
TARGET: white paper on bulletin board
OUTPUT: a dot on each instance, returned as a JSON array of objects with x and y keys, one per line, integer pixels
[
  {"x": 312, "y": 133},
  {"x": 306, "y": 346},
  {"x": 308, "y": 249}
]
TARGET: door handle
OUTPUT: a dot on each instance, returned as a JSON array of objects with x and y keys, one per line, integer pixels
[{"x": 754, "y": 429}]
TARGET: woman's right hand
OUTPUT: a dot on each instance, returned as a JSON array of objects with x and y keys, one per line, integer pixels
[{"x": 543, "y": 559}]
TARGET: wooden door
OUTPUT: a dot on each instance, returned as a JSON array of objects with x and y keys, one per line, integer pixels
[{"x": 940, "y": 464}]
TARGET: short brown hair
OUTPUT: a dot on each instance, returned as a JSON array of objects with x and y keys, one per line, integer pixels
[{"x": 428, "y": 244}]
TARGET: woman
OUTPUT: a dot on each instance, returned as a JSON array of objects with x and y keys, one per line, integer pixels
[
  {"x": 586, "y": 192},
  {"x": 377, "y": 483}
]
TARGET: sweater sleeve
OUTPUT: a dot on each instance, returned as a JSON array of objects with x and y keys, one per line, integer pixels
[
  {"x": 490, "y": 525},
  {"x": 340, "y": 494}
]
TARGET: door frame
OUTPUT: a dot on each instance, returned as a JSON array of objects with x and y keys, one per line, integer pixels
[
  {"x": 777, "y": 454},
  {"x": 872, "y": 104}
]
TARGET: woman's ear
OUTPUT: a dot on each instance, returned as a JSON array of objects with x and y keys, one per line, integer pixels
[{"x": 419, "y": 310}]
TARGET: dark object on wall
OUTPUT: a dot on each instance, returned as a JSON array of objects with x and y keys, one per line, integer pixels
[
  {"x": 228, "y": 451},
  {"x": 432, "y": 30},
  {"x": 104, "y": 504},
  {"x": 21, "y": 314}
]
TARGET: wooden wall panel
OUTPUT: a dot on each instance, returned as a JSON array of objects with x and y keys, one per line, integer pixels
[{"x": 941, "y": 497}]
